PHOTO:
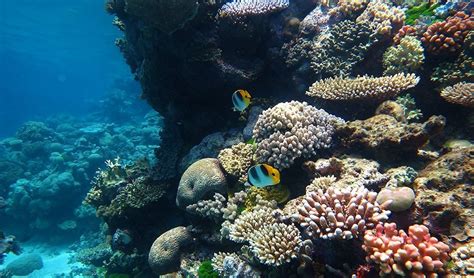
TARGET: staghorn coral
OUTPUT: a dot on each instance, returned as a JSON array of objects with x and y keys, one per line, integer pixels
[
  {"x": 463, "y": 259},
  {"x": 382, "y": 133},
  {"x": 461, "y": 93},
  {"x": 275, "y": 244},
  {"x": 362, "y": 87},
  {"x": 336, "y": 213},
  {"x": 236, "y": 160},
  {"x": 336, "y": 52},
  {"x": 166, "y": 15},
  {"x": 291, "y": 130},
  {"x": 406, "y": 57},
  {"x": 415, "y": 254},
  {"x": 448, "y": 36},
  {"x": 238, "y": 9},
  {"x": 382, "y": 18}
]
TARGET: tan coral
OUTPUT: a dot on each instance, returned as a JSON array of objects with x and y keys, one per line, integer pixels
[
  {"x": 362, "y": 87},
  {"x": 461, "y": 93},
  {"x": 236, "y": 160},
  {"x": 406, "y": 57},
  {"x": 463, "y": 259},
  {"x": 383, "y": 18},
  {"x": 348, "y": 7},
  {"x": 276, "y": 244}
]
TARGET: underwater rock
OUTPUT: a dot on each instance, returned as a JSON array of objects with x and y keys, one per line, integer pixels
[
  {"x": 444, "y": 194},
  {"x": 25, "y": 264},
  {"x": 201, "y": 179},
  {"x": 402, "y": 198},
  {"x": 382, "y": 133},
  {"x": 8, "y": 244},
  {"x": 165, "y": 252},
  {"x": 392, "y": 108}
]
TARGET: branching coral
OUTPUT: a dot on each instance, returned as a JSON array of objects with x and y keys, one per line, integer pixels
[
  {"x": 218, "y": 208},
  {"x": 362, "y": 87},
  {"x": 448, "y": 36},
  {"x": 236, "y": 160},
  {"x": 405, "y": 31},
  {"x": 315, "y": 22},
  {"x": 291, "y": 130},
  {"x": 406, "y": 57},
  {"x": 382, "y": 18},
  {"x": 415, "y": 254},
  {"x": 341, "y": 48},
  {"x": 460, "y": 93},
  {"x": 336, "y": 213},
  {"x": 349, "y": 7},
  {"x": 276, "y": 244},
  {"x": 242, "y": 8}
]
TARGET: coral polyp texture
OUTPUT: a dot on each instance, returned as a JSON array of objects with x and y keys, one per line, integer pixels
[
  {"x": 448, "y": 36},
  {"x": 340, "y": 213},
  {"x": 349, "y": 7},
  {"x": 236, "y": 160},
  {"x": 405, "y": 31},
  {"x": 382, "y": 18},
  {"x": 362, "y": 87},
  {"x": 415, "y": 254},
  {"x": 276, "y": 244},
  {"x": 461, "y": 93},
  {"x": 243, "y": 8},
  {"x": 291, "y": 130},
  {"x": 406, "y": 57}
]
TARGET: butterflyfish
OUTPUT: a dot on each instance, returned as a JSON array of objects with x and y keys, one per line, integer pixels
[
  {"x": 262, "y": 175},
  {"x": 241, "y": 99}
]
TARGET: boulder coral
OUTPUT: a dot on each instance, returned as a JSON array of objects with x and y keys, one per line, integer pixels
[
  {"x": 401, "y": 198},
  {"x": 203, "y": 177},
  {"x": 415, "y": 254},
  {"x": 25, "y": 265},
  {"x": 166, "y": 250}
]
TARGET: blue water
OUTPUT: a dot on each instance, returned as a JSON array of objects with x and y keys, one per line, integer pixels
[{"x": 56, "y": 56}]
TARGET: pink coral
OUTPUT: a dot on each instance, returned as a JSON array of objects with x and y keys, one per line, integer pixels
[{"x": 416, "y": 254}]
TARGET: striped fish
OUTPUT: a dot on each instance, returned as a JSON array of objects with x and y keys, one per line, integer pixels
[
  {"x": 241, "y": 100},
  {"x": 262, "y": 175}
]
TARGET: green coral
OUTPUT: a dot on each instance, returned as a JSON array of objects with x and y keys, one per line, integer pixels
[
  {"x": 406, "y": 57},
  {"x": 206, "y": 270},
  {"x": 409, "y": 106},
  {"x": 413, "y": 13}
]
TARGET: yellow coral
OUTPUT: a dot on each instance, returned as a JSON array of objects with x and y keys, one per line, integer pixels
[{"x": 382, "y": 17}]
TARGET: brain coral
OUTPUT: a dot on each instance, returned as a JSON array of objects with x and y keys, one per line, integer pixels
[
  {"x": 448, "y": 36},
  {"x": 406, "y": 57},
  {"x": 201, "y": 178},
  {"x": 460, "y": 93},
  {"x": 242, "y": 8},
  {"x": 415, "y": 254},
  {"x": 291, "y": 130},
  {"x": 166, "y": 250},
  {"x": 335, "y": 213},
  {"x": 362, "y": 87}
]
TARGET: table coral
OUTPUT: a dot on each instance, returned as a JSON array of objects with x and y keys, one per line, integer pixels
[
  {"x": 291, "y": 130},
  {"x": 383, "y": 18},
  {"x": 362, "y": 87},
  {"x": 406, "y": 57},
  {"x": 340, "y": 213},
  {"x": 415, "y": 254},
  {"x": 461, "y": 93},
  {"x": 448, "y": 36},
  {"x": 276, "y": 244}
]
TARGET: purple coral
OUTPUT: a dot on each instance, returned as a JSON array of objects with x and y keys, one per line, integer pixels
[
  {"x": 242, "y": 8},
  {"x": 338, "y": 213}
]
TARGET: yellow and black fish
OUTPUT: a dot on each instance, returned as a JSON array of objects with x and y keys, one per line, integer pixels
[
  {"x": 262, "y": 175},
  {"x": 241, "y": 99}
]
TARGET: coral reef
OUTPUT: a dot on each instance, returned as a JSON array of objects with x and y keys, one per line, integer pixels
[
  {"x": 362, "y": 88},
  {"x": 343, "y": 214},
  {"x": 463, "y": 259},
  {"x": 291, "y": 130},
  {"x": 25, "y": 264},
  {"x": 166, "y": 249},
  {"x": 349, "y": 7},
  {"x": 395, "y": 252},
  {"x": 448, "y": 36},
  {"x": 383, "y": 19},
  {"x": 8, "y": 244},
  {"x": 460, "y": 93},
  {"x": 406, "y": 57},
  {"x": 243, "y": 8},
  {"x": 203, "y": 177},
  {"x": 236, "y": 160}
]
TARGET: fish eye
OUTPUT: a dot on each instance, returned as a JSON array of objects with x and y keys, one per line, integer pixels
[{"x": 273, "y": 174}]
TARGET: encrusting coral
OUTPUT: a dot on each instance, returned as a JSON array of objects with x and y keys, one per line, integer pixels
[
  {"x": 340, "y": 213},
  {"x": 383, "y": 18},
  {"x": 461, "y": 93},
  {"x": 415, "y": 254},
  {"x": 291, "y": 130},
  {"x": 275, "y": 244},
  {"x": 362, "y": 87},
  {"x": 236, "y": 160},
  {"x": 448, "y": 36},
  {"x": 405, "y": 57}
]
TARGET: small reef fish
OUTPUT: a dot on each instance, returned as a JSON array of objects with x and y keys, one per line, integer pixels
[
  {"x": 262, "y": 175},
  {"x": 241, "y": 100}
]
